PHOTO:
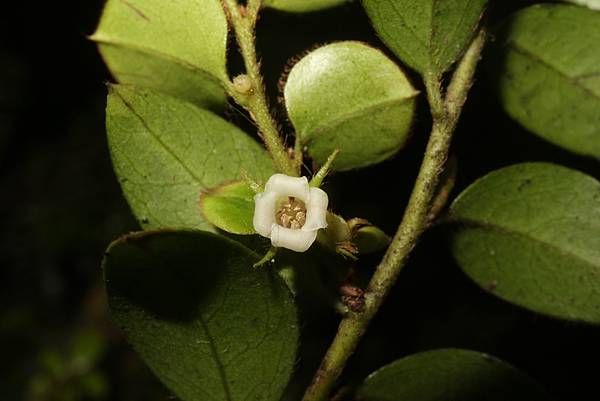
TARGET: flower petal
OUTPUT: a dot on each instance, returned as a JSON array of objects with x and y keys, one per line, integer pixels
[
  {"x": 284, "y": 185},
  {"x": 316, "y": 210},
  {"x": 296, "y": 240},
  {"x": 264, "y": 212}
]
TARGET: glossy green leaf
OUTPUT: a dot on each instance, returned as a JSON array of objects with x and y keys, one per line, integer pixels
[
  {"x": 351, "y": 97},
  {"x": 450, "y": 375},
  {"x": 166, "y": 151},
  {"x": 179, "y": 49},
  {"x": 547, "y": 72},
  {"x": 427, "y": 35},
  {"x": 530, "y": 234},
  {"x": 229, "y": 207},
  {"x": 593, "y": 4},
  {"x": 210, "y": 326},
  {"x": 302, "y": 6}
]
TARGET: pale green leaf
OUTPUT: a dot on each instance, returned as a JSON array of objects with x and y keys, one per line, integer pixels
[
  {"x": 229, "y": 207},
  {"x": 210, "y": 326},
  {"x": 301, "y": 6},
  {"x": 593, "y": 4},
  {"x": 530, "y": 234},
  {"x": 427, "y": 35},
  {"x": 166, "y": 151},
  {"x": 351, "y": 97},
  {"x": 176, "y": 47},
  {"x": 450, "y": 375},
  {"x": 547, "y": 71}
]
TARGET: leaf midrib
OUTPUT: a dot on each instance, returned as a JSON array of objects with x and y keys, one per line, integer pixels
[
  {"x": 154, "y": 53},
  {"x": 160, "y": 142},
  {"x": 216, "y": 358},
  {"x": 501, "y": 229},
  {"x": 419, "y": 40},
  {"x": 442, "y": 68},
  {"x": 354, "y": 114},
  {"x": 536, "y": 58}
]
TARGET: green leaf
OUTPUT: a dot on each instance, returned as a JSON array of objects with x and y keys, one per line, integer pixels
[
  {"x": 302, "y": 6},
  {"x": 547, "y": 71},
  {"x": 450, "y": 375},
  {"x": 166, "y": 152},
  {"x": 210, "y": 326},
  {"x": 230, "y": 207},
  {"x": 177, "y": 49},
  {"x": 593, "y": 4},
  {"x": 530, "y": 234},
  {"x": 427, "y": 35},
  {"x": 351, "y": 97}
]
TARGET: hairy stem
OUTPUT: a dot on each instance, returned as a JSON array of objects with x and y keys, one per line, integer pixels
[
  {"x": 243, "y": 19},
  {"x": 445, "y": 113}
]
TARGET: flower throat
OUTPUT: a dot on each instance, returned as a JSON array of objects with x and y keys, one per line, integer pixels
[{"x": 291, "y": 213}]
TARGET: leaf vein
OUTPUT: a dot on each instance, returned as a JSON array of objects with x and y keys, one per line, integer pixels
[
  {"x": 576, "y": 81},
  {"x": 161, "y": 142},
  {"x": 471, "y": 223}
]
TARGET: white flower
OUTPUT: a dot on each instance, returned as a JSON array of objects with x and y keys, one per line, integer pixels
[{"x": 289, "y": 212}]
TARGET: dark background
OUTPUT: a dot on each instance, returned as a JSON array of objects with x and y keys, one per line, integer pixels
[{"x": 60, "y": 205}]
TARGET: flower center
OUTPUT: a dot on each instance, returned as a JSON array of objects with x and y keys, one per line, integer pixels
[{"x": 291, "y": 213}]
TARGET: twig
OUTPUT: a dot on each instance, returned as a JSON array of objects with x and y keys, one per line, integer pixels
[
  {"x": 252, "y": 96},
  {"x": 445, "y": 114}
]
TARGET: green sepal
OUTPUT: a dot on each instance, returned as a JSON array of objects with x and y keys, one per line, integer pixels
[{"x": 366, "y": 237}]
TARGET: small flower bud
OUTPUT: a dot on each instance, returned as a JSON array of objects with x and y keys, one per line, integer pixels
[{"x": 242, "y": 84}]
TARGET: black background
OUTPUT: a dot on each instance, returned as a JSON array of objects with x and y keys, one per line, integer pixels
[{"x": 60, "y": 205}]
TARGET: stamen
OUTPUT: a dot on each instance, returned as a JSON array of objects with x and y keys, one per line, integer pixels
[
  {"x": 291, "y": 213},
  {"x": 301, "y": 218}
]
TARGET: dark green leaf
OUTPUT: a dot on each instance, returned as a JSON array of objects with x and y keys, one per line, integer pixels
[
  {"x": 177, "y": 49},
  {"x": 450, "y": 375},
  {"x": 530, "y": 234},
  {"x": 166, "y": 151},
  {"x": 547, "y": 71},
  {"x": 351, "y": 97},
  {"x": 210, "y": 326},
  {"x": 314, "y": 275},
  {"x": 301, "y": 6},
  {"x": 230, "y": 207},
  {"x": 428, "y": 35}
]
